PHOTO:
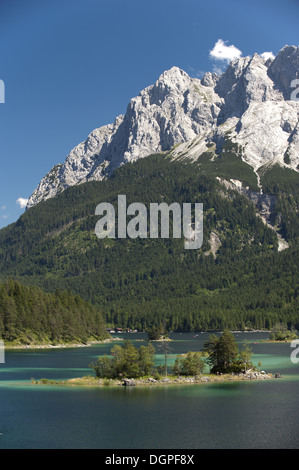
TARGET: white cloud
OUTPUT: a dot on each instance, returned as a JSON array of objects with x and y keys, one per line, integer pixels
[
  {"x": 22, "y": 202},
  {"x": 3, "y": 208},
  {"x": 267, "y": 55},
  {"x": 225, "y": 53},
  {"x": 4, "y": 216}
]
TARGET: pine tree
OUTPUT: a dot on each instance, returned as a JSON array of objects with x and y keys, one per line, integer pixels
[{"x": 222, "y": 352}]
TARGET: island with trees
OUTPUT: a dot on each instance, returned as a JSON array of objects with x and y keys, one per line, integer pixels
[
  {"x": 128, "y": 365},
  {"x": 281, "y": 332}
]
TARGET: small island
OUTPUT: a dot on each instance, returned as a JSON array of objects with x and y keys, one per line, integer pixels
[
  {"x": 282, "y": 333},
  {"x": 128, "y": 365}
]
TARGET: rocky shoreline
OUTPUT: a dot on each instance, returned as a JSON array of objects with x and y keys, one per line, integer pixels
[
  {"x": 250, "y": 375},
  {"x": 171, "y": 380}
]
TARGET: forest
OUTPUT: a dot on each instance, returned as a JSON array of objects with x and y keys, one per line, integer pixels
[
  {"x": 242, "y": 283},
  {"x": 30, "y": 316}
]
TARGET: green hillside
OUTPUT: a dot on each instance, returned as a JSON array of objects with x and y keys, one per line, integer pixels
[
  {"x": 30, "y": 316},
  {"x": 243, "y": 282}
]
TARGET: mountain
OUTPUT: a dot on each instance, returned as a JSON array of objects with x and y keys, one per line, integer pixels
[
  {"x": 251, "y": 102},
  {"x": 238, "y": 278},
  {"x": 228, "y": 142}
]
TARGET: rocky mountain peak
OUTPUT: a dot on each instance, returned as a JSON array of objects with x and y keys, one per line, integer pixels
[
  {"x": 209, "y": 79},
  {"x": 250, "y": 100},
  {"x": 174, "y": 76},
  {"x": 284, "y": 69}
]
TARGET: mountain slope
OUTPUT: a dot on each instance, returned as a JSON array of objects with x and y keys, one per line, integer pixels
[
  {"x": 237, "y": 279},
  {"x": 229, "y": 142},
  {"x": 251, "y": 100}
]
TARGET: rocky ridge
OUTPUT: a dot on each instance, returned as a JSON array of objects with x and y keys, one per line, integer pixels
[{"x": 251, "y": 102}]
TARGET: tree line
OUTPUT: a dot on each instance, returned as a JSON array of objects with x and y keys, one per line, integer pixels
[
  {"x": 220, "y": 353},
  {"x": 29, "y": 315}
]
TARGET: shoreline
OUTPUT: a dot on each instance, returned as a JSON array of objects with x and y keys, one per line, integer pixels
[
  {"x": 10, "y": 346},
  {"x": 59, "y": 346},
  {"x": 275, "y": 341},
  {"x": 91, "y": 381}
]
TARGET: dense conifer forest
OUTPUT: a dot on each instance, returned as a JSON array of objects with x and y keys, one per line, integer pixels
[
  {"x": 242, "y": 282},
  {"x": 28, "y": 315}
]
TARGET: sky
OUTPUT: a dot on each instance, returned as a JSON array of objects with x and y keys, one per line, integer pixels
[{"x": 70, "y": 66}]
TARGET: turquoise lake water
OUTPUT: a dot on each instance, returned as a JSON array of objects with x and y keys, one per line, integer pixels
[{"x": 243, "y": 415}]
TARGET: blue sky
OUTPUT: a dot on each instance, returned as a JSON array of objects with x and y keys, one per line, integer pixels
[{"x": 70, "y": 66}]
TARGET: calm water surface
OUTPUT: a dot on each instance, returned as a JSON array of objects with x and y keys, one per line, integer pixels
[{"x": 257, "y": 414}]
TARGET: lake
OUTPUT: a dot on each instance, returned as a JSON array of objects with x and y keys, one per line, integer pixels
[{"x": 237, "y": 415}]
